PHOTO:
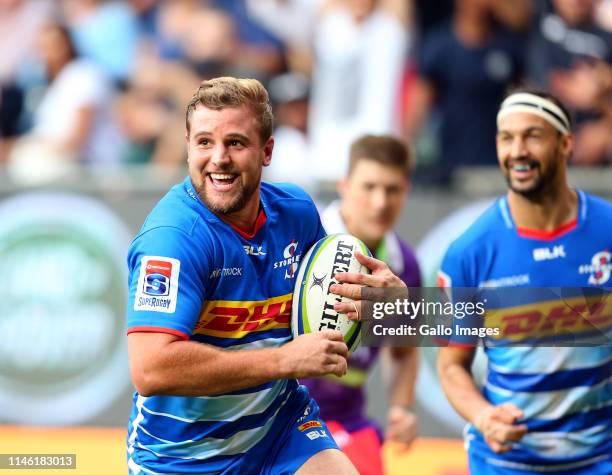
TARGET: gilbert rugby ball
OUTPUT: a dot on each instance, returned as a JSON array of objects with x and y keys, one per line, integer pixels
[{"x": 313, "y": 303}]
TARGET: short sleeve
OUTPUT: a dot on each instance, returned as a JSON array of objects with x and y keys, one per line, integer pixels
[
  {"x": 166, "y": 282},
  {"x": 453, "y": 277}
]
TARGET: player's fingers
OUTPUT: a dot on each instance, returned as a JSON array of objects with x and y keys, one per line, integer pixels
[
  {"x": 352, "y": 291},
  {"x": 339, "y": 367},
  {"x": 361, "y": 279},
  {"x": 498, "y": 447},
  {"x": 512, "y": 410},
  {"x": 349, "y": 307},
  {"x": 499, "y": 414},
  {"x": 514, "y": 433},
  {"x": 505, "y": 432},
  {"x": 338, "y": 348},
  {"x": 333, "y": 335},
  {"x": 370, "y": 262}
]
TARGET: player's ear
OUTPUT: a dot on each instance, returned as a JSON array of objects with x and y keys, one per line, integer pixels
[
  {"x": 567, "y": 145},
  {"x": 187, "y": 145},
  {"x": 267, "y": 150}
]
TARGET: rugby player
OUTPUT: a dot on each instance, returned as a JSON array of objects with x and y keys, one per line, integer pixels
[
  {"x": 542, "y": 409},
  {"x": 372, "y": 197},
  {"x": 211, "y": 275}
]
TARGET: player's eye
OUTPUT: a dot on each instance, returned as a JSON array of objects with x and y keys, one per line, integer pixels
[
  {"x": 203, "y": 142},
  {"x": 235, "y": 143}
]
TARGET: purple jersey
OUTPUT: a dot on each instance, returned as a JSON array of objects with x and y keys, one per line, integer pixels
[{"x": 343, "y": 399}]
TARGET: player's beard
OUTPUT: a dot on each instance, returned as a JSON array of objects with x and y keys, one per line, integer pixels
[
  {"x": 241, "y": 197},
  {"x": 543, "y": 182}
]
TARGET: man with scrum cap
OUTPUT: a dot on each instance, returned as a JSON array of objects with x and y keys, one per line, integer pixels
[{"x": 541, "y": 408}]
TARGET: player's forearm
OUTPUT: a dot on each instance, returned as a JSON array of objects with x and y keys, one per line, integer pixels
[
  {"x": 458, "y": 385},
  {"x": 184, "y": 368},
  {"x": 405, "y": 362}
]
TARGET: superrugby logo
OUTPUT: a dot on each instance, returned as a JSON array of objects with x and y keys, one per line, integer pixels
[
  {"x": 599, "y": 269},
  {"x": 291, "y": 260},
  {"x": 157, "y": 278},
  {"x": 157, "y": 284}
]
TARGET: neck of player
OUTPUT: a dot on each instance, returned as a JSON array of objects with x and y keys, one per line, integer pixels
[
  {"x": 548, "y": 212},
  {"x": 245, "y": 218}
]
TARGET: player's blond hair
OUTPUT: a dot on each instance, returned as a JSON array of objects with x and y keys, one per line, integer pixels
[{"x": 222, "y": 92}]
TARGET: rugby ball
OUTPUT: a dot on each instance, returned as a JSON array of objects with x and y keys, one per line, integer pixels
[{"x": 313, "y": 303}]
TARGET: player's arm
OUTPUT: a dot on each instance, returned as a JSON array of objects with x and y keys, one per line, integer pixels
[
  {"x": 165, "y": 364},
  {"x": 496, "y": 423},
  {"x": 401, "y": 421}
]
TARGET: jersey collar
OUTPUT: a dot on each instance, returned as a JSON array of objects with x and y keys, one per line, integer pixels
[{"x": 538, "y": 234}]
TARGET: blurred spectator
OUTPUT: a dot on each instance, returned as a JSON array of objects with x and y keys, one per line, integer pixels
[
  {"x": 20, "y": 21},
  {"x": 465, "y": 68},
  {"x": 603, "y": 14},
  {"x": 211, "y": 45},
  {"x": 170, "y": 32},
  {"x": 429, "y": 15},
  {"x": 360, "y": 55},
  {"x": 261, "y": 53},
  {"x": 147, "y": 16},
  {"x": 73, "y": 121},
  {"x": 293, "y": 22},
  {"x": 105, "y": 32},
  {"x": 572, "y": 56},
  {"x": 289, "y": 95},
  {"x": 11, "y": 105},
  {"x": 151, "y": 112}
]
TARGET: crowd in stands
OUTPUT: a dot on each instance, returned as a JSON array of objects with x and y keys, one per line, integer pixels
[{"x": 105, "y": 83}]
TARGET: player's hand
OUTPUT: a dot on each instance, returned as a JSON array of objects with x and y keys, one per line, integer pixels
[
  {"x": 402, "y": 426},
  {"x": 498, "y": 426},
  {"x": 358, "y": 287},
  {"x": 316, "y": 354}
]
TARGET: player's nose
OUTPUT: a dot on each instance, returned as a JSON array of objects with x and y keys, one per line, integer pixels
[
  {"x": 518, "y": 148},
  {"x": 220, "y": 155}
]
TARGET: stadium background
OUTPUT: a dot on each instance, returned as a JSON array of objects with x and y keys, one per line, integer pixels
[{"x": 66, "y": 218}]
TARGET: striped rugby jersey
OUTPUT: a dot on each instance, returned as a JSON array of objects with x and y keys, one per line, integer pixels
[
  {"x": 194, "y": 276},
  {"x": 564, "y": 392}
]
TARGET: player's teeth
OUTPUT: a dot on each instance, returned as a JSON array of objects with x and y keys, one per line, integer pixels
[
  {"x": 521, "y": 168},
  {"x": 218, "y": 176}
]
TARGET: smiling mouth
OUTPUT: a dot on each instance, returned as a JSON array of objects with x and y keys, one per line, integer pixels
[
  {"x": 522, "y": 168},
  {"x": 222, "y": 181}
]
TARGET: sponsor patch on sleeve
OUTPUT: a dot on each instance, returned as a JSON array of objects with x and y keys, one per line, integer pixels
[{"x": 157, "y": 288}]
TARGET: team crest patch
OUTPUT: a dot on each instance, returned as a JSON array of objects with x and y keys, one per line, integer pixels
[{"x": 157, "y": 288}]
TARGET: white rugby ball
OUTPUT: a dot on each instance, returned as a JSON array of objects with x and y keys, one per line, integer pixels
[{"x": 313, "y": 303}]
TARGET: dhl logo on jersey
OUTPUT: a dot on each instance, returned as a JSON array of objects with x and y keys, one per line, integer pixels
[
  {"x": 309, "y": 425},
  {"x": 236, "y": 319},
  {"x": 576, "y": 315}
]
